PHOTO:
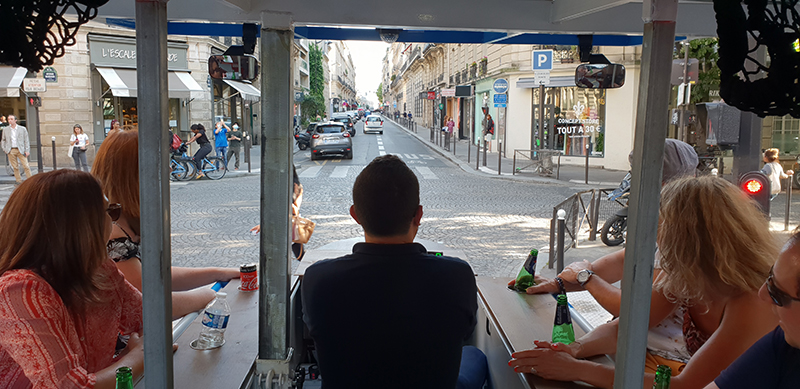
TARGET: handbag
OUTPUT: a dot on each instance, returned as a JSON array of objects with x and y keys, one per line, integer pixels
[
  {"x": 302, "y": 228},
  {"x": 69, "y": 151}
]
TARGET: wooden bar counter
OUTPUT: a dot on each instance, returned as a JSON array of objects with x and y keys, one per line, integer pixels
[{"x": 509, "y": 322}]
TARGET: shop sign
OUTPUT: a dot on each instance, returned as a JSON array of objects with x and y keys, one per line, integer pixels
[
  {"x": 31, "y": 85},
  {"x": 441, "y": 106},
  {"x": 431, "y": 95},
  {"x": 500, "y": 85},
  {"x": 50, "y": 75},
  {"x": 121, "y": 52},
  {"x": 449, "y": 92}
]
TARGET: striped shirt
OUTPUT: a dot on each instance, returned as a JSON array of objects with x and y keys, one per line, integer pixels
[{"x": 44, "y": 345}]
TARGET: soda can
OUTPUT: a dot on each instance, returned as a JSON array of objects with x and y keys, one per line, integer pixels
[{"x": 248, "y": 274}]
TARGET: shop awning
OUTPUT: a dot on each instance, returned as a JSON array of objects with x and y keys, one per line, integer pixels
[
  {"x": 248, "y": 91},
  {"x": 555, "y": 82},
  {"x": 10, "y": 80},
  {"x": 123, "y": 83}
]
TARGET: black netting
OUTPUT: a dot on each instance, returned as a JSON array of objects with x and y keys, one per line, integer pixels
[
  {"x": 34, "y": 32},
  {"x": 772, "y": 24}
]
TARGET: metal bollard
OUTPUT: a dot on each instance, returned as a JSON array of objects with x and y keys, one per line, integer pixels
[
  {"x": 586, "y": 173},
  {"x": 788, "y": 202},
  {"x": 485, "y": 147},
  {"x": 595, "y": 215},
  {"x": 247, "y": 153},
  {"x": 499, "y": 156},
  {"x": 54, "y": 152},
  {"x": 562, "y": 225}
]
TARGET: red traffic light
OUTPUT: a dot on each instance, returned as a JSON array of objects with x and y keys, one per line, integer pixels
[{"x": 753, "y": 186}]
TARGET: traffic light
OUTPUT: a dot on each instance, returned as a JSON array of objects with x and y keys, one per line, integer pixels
[
  {"x": 35, "y": 101},
  {"x": 757, "y": 187}
]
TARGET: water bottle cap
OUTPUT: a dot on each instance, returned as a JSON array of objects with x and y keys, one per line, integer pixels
[{"x": 222, "y": 294}]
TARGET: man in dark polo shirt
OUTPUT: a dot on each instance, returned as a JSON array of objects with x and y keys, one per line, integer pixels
[{"x": 390, "y": 315}]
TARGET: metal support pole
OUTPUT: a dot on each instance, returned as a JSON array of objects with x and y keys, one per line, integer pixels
[
  {"x": 153, "y": 105},
  {"x": 53, "y": 139},
  {"x": 541, "y": 120},
  {"x": 478, "y": 154},
  {"x": 485, "y": 145},
  {"x": 39, "y": 158},
  {"x": 552, "y": 252},
  {"x": 682, "y": 105},
  {"x": 595, "y": 215},
  {"x": 499, "y": 155},
  {"x": 788, "y": 202},
  {"x": 247, "y": 146},
  {"x": 648, "y": 155},
  {"x": 276, "y": 179},
  {"x": 562, "y": 226}
]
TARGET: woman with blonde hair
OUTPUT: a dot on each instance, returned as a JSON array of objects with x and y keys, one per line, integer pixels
[
  {"x": 62, "y": 301},
  {"x": 715, "y": 251},
  {"x": 116, "y": 166}
]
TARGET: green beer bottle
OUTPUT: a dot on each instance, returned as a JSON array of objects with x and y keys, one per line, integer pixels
[
  {"x": 525, "y": 277},
  {"x": 663, "y": 374},
  {"x": 562, "y": 328},
  {"x": 124, "y": 378}
]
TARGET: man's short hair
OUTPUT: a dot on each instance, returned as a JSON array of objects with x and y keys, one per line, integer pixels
[{"x": 386, "y": 197}]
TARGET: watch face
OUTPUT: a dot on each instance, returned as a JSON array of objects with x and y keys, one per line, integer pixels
[{"x": 583, "y": 276}]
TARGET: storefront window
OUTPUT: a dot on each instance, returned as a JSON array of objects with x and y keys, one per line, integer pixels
[
  {"x": 579, "y": 116},
  {"x": 786, "y": 135}
]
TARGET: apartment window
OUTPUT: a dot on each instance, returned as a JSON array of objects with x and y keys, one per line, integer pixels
[{"x": 786, "y": 134}]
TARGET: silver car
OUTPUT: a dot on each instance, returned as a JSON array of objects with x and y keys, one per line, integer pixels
[
  {"x": 331, "y": 138},
  {"x": 373, "y": 123}
]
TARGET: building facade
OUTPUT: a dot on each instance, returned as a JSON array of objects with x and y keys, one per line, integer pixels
[{"x": 342, "y": 77}]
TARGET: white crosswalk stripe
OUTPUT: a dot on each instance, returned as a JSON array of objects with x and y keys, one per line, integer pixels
[
  {"x": 311, "y": 172},
  {"x": 426, "y": 173},
  {"x": 340, "y": 172},
  {"x": 382, "y": 152}
]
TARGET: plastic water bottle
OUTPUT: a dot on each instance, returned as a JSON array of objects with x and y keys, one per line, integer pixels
[{"x": 215, "y": 320}]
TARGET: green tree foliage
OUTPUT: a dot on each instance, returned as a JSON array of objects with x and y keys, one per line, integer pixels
[
  {"x": 379, "y": 92},
  {"x": 704, "y": 50},
  {"x": 314, "y": 102}
]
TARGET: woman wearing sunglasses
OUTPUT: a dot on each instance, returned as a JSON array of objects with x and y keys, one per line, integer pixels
[
  {"x": 715, "y": 251},
  {"x": 62, "y": 301},
  {"x": 116, "y": 166},
  {"x": 773, "y": 361}
]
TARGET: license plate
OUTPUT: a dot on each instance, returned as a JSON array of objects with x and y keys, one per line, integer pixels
[{"x": 328, "y": 141}]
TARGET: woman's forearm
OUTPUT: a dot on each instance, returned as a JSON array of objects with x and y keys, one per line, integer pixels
[
  {"x": 598, "y": 375},
  {"x": 185, "y": 278},
  {"x": 600, "y": 341}
]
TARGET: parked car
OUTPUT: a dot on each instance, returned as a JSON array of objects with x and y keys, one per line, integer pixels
[
  {"x": 347, "y": 121},
  {"x": 331, "y": 138},
  {"x": 373, "y": 123}
]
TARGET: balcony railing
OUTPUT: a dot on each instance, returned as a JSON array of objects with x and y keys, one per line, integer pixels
[{"x": 482, "y": 68}]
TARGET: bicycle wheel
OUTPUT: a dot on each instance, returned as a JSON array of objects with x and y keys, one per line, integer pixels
[
  {"x": 191, "y": 169},
  {"x": 214, "y": 168}
]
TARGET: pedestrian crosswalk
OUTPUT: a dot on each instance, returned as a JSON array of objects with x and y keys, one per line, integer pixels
[{"x": 345, "y": 171}]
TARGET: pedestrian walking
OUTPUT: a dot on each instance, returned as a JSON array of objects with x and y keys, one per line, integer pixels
[
  {"x": 17, "y": 147},
  {"x": 221, "y": 141},
  {"x": 205, "y": 147},
  {"x": 234, "y": 145},
  {"x": 78, "y": 141},
  {"x": 774, "y": 171},
  {"x": 489, "y": 133}
]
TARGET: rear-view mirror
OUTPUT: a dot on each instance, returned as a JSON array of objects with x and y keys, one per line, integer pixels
[
  {"x": 233, "y": 67},
  {"x": 600, "y": 76}
]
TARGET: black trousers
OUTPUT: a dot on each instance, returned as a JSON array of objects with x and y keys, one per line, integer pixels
[{"x": 200, "y": 154}]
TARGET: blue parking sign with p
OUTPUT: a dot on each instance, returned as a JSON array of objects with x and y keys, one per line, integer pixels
[{"x": 543, "y": 60}]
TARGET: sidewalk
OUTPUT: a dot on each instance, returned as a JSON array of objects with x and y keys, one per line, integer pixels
[{"x": 462, "y": 153}]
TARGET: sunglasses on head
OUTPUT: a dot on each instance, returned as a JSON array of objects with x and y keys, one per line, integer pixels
[
  {"x": 779, "y": 297},
  {"x": 114, "y": 211}
]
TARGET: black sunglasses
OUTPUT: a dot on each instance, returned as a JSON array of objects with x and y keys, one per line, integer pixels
[
  {"x": 779, "y": 297},
  {"x": 114, "y": 211}
]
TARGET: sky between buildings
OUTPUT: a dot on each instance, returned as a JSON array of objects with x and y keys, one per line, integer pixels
[{"x": 368, "y": 61}]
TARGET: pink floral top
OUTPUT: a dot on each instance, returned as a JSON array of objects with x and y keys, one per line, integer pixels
[{"x": 43, "y": 345}]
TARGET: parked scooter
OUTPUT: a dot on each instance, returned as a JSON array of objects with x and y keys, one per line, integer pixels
[
  {"x": 303, "y": 138},
  {"x": 614, "y": 230}
]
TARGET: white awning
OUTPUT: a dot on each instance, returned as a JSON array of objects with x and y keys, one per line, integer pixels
[
  {"x": 122, "y": 83},
  {"x": 555, "y": 82},
  {"x": 247, "y": 90},
  {"x": 10, "y": 80}
]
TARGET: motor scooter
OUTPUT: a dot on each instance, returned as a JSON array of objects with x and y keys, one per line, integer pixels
[
  {"x": 615, "y": 228},
  {"x": 303, "y": 139}
]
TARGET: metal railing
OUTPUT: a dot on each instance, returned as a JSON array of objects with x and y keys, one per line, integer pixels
[
  {"x": 584, "y": 210},
  {"x": 537, "y": 161}
]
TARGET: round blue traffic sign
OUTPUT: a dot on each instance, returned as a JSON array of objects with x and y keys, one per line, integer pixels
[{"x": 500, "y": 85}]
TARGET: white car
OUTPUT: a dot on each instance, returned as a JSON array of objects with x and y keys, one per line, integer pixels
[{"x": 374, "y": 123}]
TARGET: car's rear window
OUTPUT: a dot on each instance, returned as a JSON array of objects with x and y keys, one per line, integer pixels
[
  {"x": 330, "y": 129},
  {"x": 341, "y": 120},
  {"x": 373, "y": 119}
]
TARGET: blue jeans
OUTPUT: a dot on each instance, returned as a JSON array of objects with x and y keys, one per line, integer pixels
[
  {"x": 474, "y": 369},
  {"x": 221, "y": 151}
]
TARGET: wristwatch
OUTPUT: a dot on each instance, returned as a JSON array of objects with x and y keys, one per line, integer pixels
[{"x": 583, "y": 276}]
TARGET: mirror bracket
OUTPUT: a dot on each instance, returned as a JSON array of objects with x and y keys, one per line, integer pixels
[
  {"x": 585, "y": 50},
  {"x": 249, "y": 34}
]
